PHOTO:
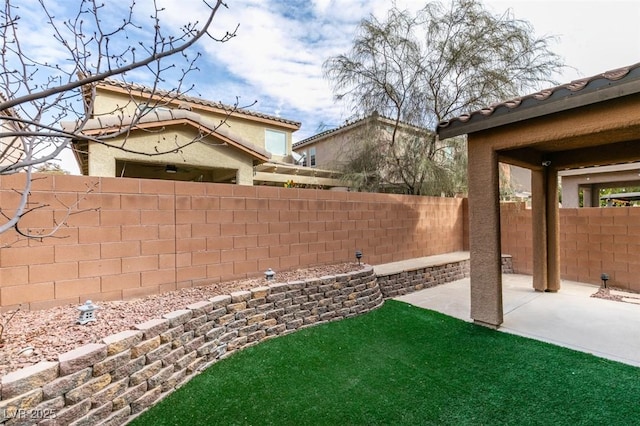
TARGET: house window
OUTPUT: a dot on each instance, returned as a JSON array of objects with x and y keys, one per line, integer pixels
[
  {"x": 312, "y": 156},
  {"x": 305, "y": 163},
  {"x": 275, "y": 142}
]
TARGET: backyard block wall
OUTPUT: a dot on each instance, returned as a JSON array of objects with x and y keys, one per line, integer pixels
[
  {"x": 592, "y": 241},
  {"x": 111, "y": 382},
  {"x": 129, "y": 238}
]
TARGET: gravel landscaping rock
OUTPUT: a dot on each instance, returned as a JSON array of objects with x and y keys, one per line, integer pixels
[{"x": 34, "y": 336}]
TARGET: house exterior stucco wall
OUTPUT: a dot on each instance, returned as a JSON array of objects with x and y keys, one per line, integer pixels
[
  {"x": 333, "y": 152},
  {"x": 207, "y": 153},
  {"x": 251, "y": 129}
]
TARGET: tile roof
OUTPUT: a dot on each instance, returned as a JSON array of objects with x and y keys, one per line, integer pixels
[
  {"x": 111, "y": 124},
  {"x": 330, "y": 131},
  {"x": 195, "y": 100},
  {"x": 557, "y": 95},
  {"x": 349, "y": 125}
]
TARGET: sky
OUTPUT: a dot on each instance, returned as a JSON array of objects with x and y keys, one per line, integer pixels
[
  {"x": 277, "y": 55},
  {"x": 276, "y": 58}
]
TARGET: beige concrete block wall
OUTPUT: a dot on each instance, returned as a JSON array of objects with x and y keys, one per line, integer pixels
[
  {"x": 134, "y": 237},
  {"x": 592, "y": 241}
]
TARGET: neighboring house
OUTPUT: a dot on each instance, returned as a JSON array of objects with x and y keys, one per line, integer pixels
[
  {"x": 357, "y": 141},
  {"x": 165, "y": 135},
  {"x": 332, "y": 149},
  {"x": 11, "y": 143},
  {"x": 590, "y": 180}
]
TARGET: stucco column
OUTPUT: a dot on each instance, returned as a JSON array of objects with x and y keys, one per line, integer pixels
[
  {"x": 553, "y": 231},
  {"x": 570, "y": 193},
  {"x": 102, "y": 163},
  {"x": 539, "y": 228},
  {"x": 244, "y": 176},
  {"x": 484, "y": 235},
  {"x": 595, "y": 195},
  {"x": 587, "y": 199}
]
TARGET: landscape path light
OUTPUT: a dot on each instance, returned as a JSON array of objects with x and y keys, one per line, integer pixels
[
  {"x": 87, "y": 313},
  {"x": 269, "y": 274},
  {"x": 604, "y": 277},
  {"x": 358, "y": 255}
]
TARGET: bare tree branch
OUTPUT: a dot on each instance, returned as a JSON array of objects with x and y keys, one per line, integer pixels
[{"x": 47, "y": 77}]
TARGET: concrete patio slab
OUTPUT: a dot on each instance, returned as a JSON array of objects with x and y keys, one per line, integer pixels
[{"x": 570, "y": 318}]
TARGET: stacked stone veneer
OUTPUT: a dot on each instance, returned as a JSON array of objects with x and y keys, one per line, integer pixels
[
  {"x": 507, "y": 264},
  {"x": 410, "y": 280},
  {"x": 112, "y": 381}
]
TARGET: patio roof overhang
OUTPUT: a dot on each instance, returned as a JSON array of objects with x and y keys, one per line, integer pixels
[
  {"x": 589, "y": 122},
  {"x": 271, "y": 173}
]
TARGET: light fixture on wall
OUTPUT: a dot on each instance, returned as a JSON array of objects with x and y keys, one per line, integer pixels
[{"x": 170, "y": 168}]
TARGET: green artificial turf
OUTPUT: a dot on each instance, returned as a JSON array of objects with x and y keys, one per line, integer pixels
[{"x": 402, "y": 365}]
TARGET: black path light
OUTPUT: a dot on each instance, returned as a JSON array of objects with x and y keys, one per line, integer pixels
[
  {"x": 604, "y": 277},
  {"x": 358, "y": 255}
]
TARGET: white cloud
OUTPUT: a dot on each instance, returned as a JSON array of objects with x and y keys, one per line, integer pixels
[
  {"x": 277, "y": 55},
  {"x": 594, "y": 36}
]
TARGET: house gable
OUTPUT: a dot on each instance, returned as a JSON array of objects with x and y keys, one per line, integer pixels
[
  {"x": 116, "y": 98},
  {"x": 333, "y": 147},
  {"x": 165, "y": 138}
]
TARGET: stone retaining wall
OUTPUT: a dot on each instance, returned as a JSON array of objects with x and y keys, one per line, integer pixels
[
  {"x": 408, "y": 281},
  {"x": 507, "y": 264},
  {"x": 113, "y": 381},
  {"x": 404, "y": 282}
]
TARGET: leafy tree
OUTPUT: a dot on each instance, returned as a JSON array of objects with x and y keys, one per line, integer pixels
[
  {"x": 51, "y": 168},
  {"x": 363, "y": 170},
  {"x": 425, "y": 68},
  {"x": 87, "y": 41}
]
